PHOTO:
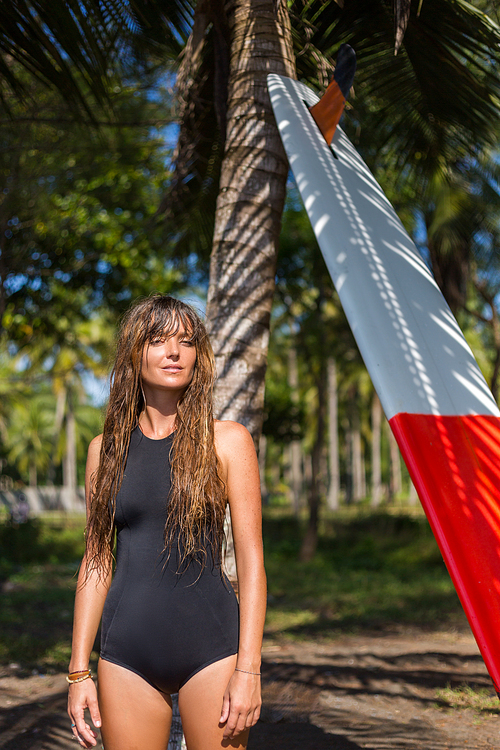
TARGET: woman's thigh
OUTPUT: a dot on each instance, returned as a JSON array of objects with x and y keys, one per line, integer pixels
[
  {"x": 135, "y": 716},
  {"x": 200, "y": 706}
]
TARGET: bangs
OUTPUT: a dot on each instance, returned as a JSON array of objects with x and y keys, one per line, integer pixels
[{"x": 166, "y": 319}]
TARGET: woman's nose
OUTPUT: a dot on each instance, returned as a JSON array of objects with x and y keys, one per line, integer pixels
[{"x": 172, "y": 348}]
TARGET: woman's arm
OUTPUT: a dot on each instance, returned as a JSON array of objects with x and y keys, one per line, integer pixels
[
  {"x": 242, "y": 701},
  {"x": 89, "y": 602}
]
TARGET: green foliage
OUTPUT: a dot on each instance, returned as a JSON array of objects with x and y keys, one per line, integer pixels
[
  {"x": 82, "y": 48},
  {"x": 40, "y": 541},
  {"x": 30, "y": 435},
  {"x": 36, "y": 616},
  {"x": 370, "y": 572},
  {"x": 76, "y": 215},
  {"x": 38, "y": 564},
  {"x": 78, "y": 240}
]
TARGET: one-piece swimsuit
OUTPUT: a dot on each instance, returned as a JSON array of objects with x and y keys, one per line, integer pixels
[{"x": 161, "y": 620}]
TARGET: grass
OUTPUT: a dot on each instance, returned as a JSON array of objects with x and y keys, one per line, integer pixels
[
  {"x": 371, "y": 571},
  {"x": 481, "y": 700},
  {"x": 38, "y": 565}
]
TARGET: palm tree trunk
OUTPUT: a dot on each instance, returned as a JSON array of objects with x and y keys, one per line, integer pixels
[
  {"x": 396, "y": 483},
  {"x": 310, "y": 541},
  {"x": 412, "y": 494},
  {"x": 358, "y": 469},
  {"x": 248, "y": 216},
  {"x": 58, "y": 423},
  {"x": 333, "y": 437},
  {"x": 376, "y": 454},
  {"x": 69, "y": 462},
  {"x": 295, "y": 445},
  {"x": 249, "y": 208},
  {"x": 348, "y": 464}
]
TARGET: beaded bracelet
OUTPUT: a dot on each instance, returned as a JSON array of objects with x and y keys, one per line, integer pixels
[{"x": 237, "y": 669}]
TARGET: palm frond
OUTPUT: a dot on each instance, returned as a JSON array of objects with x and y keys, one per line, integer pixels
[
  {"x": 189, "y": 206},
  {"x": 75, "y": 46},
  {"x": 439, "y": 94}
]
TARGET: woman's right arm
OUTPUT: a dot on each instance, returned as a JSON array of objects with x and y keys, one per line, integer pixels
[{"x": 90, "y": 596}]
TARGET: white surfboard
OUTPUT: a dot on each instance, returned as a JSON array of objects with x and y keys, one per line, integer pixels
[{"x": 436, "y": 399}]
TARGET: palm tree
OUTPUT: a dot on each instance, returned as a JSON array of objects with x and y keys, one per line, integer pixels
[
  {"x": 29, "y": 435},
  {"x": 437, "y": 94},
  {"x": 75, "y": 349}
]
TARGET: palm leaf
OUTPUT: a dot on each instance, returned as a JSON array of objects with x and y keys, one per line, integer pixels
[
  {"x": 189, "y": 206},
  {"x": 441, "y": 93},
  {"x": 76, "y": 45}
]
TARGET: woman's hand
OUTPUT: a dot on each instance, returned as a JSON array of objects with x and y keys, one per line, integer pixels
[
  {"x": 83, "y": 695},
  {"x": 241, "y": 704}
]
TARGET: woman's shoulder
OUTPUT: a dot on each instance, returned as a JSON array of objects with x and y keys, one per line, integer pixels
[
  {"x": 230, "y": 436},
  {"x": 95, "y": 447}
]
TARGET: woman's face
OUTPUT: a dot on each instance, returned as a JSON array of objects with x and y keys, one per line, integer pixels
[{"x": 168, "y": 362}]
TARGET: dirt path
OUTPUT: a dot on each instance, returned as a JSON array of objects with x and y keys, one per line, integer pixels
[{"x": 379, "y": 692}]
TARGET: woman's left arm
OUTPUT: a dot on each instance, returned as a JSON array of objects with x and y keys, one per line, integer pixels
[{"x": 242, "y": 700}]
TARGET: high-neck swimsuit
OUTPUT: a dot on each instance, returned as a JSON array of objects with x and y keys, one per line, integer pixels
[{"x": 163, "y": 623}]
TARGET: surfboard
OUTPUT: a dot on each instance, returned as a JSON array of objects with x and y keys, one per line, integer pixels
[{"x": 434, "y": 395}]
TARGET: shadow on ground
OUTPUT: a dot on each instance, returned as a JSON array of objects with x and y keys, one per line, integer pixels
[
  {"x": 371, "y": 693},
  {"x": 300, "y": 736}
]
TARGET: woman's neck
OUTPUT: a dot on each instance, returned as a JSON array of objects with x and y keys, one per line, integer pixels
[{"x": 158, "y": 420}]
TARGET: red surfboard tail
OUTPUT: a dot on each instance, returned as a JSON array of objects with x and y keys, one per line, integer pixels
[
  {"x": 328, "y": 111},
  {"x": 454, "y": 463}
]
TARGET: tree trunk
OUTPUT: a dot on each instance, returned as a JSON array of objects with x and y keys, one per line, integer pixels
[
  {"x": 296, "y": 484},
  {"x": 33, "y": 477},
  {"x": 310, "y": 541},
  {"x": 333, "y": 437},
  {"x": 58, "y": 424},
  {"x": 376, "y": 453},
  {"x": 358, "y": 470},
  {"x": 348, "y": 462},
  {"x": 248, "y": 215},
  {"x": 249, "y": 208},
  {"x": 69, "y": 461},
  {"x": 412, "y": 494},
  {"x": 396, "y": 483}
]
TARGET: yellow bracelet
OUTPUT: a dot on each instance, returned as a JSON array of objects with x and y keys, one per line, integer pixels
[{"x": 71, "y": 680}]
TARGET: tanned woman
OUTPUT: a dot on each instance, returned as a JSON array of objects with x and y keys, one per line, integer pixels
[{"x": 158, "y": 481}]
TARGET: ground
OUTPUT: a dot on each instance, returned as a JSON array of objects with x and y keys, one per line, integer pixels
[{"x": 387, "y": 691}]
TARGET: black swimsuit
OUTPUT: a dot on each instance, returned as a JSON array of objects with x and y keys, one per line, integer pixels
[{"x": 164, "y": 625}]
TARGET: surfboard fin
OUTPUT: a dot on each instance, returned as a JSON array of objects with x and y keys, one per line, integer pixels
[{"x": 328, "y": 111}]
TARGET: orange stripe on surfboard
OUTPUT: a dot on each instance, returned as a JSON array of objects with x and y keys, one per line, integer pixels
[{"x": 454, "y": 463}]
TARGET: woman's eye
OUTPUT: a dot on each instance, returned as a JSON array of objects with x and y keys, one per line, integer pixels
[
  {"x": 155, "y": 342},
  {"x": 187, "y": 342}
]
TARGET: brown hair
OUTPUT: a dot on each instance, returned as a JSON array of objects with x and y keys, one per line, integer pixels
[{"x": 197, "y": 500}]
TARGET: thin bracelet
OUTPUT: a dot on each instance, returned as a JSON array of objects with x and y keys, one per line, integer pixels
[{"x": 237, "y": 669}]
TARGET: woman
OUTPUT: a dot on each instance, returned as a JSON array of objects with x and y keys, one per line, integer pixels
[{"x": 160, "y": 477}]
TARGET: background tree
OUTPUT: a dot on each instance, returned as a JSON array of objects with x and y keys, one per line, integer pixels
[{"x": 423, "y": 114}]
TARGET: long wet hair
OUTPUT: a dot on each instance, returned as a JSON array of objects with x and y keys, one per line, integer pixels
[{"x": 197, "y": 499}]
